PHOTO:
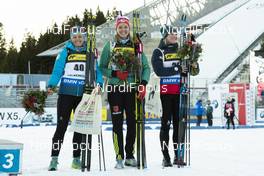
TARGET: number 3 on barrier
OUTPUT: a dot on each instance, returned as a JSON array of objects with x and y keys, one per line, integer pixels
[{"x": 9, "y": 161}]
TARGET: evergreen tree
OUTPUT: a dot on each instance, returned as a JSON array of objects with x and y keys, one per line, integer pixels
[
  {"x": 2, "y": 47},
  {"x": 28, "y": 52},
  {"x": 85, "y": 17},
  {"x": 109, "y": 16},
  {"x": 12, "y": 61},
  {"x": 10, "y": 65},
  {"x": 73, "y": 21},
  {"x": 100, "y": 18}
]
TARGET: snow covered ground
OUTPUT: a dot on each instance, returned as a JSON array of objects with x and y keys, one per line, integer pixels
[{"x": 214, "y": 152}]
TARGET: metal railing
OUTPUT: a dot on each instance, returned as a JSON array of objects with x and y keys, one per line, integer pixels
[{"x": 11, "y": 96}]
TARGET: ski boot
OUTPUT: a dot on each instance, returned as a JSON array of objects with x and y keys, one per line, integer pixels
[
  {"x": 166, "y": 162},
  {"x": 53, "y": 163},
  {"x": 76, "y": 163},
  {"x": 179, "y": 162},
  {"x": 131, "y": 162},
  {"x": 119, "y": 164}
]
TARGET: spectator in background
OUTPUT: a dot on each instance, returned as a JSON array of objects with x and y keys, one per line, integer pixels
[
  {"x": 199, "y": 111},
  {"x": 209, "y": 113},
  {"x": 229, "y": 112}
]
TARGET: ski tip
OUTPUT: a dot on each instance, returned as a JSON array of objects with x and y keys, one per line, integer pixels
[{"x": 182, "y": 18}]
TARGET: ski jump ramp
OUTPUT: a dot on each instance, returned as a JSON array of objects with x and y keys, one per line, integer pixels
[
  {"x": 226, "y": 39},
  {"x": 233, "y": 27}
]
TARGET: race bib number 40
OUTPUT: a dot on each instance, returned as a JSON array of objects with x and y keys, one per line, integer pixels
[{"x": 75, "y": 70}]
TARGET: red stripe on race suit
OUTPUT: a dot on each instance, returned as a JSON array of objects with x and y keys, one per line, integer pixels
[{"x": 169, "y": 89}]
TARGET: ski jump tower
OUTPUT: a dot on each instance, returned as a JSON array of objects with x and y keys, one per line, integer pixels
[{"x": 154, "y": 14}]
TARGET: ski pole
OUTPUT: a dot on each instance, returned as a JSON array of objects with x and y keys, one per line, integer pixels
[
  {"x": 103, "y": 150},
  {"x": 99, "y": 144}
]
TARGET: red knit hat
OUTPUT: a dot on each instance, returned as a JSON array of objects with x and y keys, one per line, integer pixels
[{"x": 122, "y": 19}]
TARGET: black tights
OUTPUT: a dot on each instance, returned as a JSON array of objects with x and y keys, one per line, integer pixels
[
  {"x": 65, "y": 105},
  {"x": 170, "y": 111},
  {"x": 120, "y": 101}
]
